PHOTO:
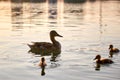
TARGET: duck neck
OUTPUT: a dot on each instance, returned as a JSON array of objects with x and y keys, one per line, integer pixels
[
  {"x": 111, "y": 49},
  {"x": 52, "y": 38},
  {"x": 98, "y": 61}
]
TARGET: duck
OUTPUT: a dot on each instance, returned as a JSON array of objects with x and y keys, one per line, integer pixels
[
  {"x": 47, "y": 48},
  {"x": 114, "y": 50},
  {"x": 102, "y": 61},
  {"x": 42, "y": 64}
]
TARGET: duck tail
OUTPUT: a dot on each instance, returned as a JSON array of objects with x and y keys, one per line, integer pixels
[
  {"x": 33, "y": 42},
  {"x": 29, "y": 45}
]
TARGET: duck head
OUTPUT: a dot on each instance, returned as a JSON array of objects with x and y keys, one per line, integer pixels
[
  {"x": 42, "y": 59},
  {"x": 97, "y": 57},
  {"x": 53, "y": 33},
  {"x": 110, "y": 46}
]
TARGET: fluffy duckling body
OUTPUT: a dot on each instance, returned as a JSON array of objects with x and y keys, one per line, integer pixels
[
  {"x": 102, "y": 61},
  {"x": 114, "y": 50},
  {"x": 42, "y": 63}
]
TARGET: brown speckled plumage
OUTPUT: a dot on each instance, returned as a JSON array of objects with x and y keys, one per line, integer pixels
[{"x": 47, "y": 48}]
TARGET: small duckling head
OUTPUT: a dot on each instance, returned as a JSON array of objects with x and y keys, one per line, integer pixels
[
  {"x": 110, "y": 46},
  {"x": 42, "y": 59},
  {"x": 97, "y": 57},
  {"x": 54, "y": 33}
]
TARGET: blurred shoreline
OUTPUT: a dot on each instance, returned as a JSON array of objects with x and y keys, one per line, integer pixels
[{"x": 54, "y": 1}]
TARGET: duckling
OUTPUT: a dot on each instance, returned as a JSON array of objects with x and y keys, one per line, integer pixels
[
  {"x": 47, "y": 48},
  {"x": 102, "y": 61},
  {"x": 114, "y": 50},
  {"x": 42, "y": 64}
]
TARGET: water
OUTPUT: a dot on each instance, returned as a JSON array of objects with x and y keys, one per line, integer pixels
[{"x": 87, "y": 29}]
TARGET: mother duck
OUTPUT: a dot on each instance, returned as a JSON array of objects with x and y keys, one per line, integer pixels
[{"x": 47, "y": 48}]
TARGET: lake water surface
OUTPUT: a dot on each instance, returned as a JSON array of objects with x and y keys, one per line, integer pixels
[{"x": 87, "y": 28}]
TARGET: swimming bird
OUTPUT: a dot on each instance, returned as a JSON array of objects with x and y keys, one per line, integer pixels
[
  {"x": 42, "y": 64},
  {"x": 114, "y": 50},
  {"x": 47, "y": 48},
  {"x": 102, "y": 61}
]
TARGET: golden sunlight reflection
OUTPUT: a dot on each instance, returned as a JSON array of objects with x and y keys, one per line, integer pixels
[
  {"x": 5, "y": 18},
  {"x": 60, "y": 18},
  {"x": 88, "y": 28},
  {"x": 55, "y": 10},
  {"x": 17, "y": 14}
]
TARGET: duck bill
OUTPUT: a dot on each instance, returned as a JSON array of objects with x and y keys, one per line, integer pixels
[
  {"x": 59, "y": 35},
  {"x": 95, "y": 58}
]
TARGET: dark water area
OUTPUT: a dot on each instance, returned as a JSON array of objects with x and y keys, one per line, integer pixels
[{"x": 88, "y": 28}]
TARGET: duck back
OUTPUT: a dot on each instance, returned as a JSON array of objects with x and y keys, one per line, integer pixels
[{"x": 105, "y": 61}]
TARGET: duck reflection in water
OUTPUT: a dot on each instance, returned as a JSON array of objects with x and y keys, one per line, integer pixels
[
  {"x": 112, "y": 50},
  {"x": 97, "y": 67},
  {"x": 46, "y": 48},
  {"x": 42, "y": 64}
]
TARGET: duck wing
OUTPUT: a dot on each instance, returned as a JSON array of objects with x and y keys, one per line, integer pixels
[
  {"x": 42, "y": 48},
  {"x": 42, "y": 45},
  {"x": 105, "y": 61},
  {"x": 116, "y": 50}
]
